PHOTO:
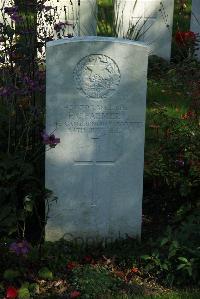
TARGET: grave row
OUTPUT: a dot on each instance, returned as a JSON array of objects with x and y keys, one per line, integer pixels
[{"x": 150, "y": 21}]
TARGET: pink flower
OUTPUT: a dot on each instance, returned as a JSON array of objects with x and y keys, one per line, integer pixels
[
  {"x": 75, "y": 294},
  {"x": 11, "y": 292}
]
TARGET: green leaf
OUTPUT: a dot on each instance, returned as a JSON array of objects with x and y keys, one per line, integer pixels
[
  {"x": 172, "y": 253},
  {"x": 34, "y": 288},
  {"x": 145, "y": 257},
  {"x": 181, "y": 266},
  {"x": 164, "y": 241},
  {"x": 45, "y": 273},
  {"x": 24, "y": 293},
  {"x": 10, "y": 274},
  {"x": 165, "y": 266},
  {"x": 183, "y": 259}
]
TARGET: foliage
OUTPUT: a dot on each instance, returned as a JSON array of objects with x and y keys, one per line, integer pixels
[
  {"x": 172, "y": 168},
  {"x": 45, "y": 273},
  {"x": 171, "y": 260},
  {"x": 11, "y": 275},
  {"x": 92, "y": 281},
  {"x": 22, "y": 87},
  {"x": 19, "y": 190}
]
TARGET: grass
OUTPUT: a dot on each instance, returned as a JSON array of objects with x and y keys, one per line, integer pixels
[{"x": 161, "y": 92}]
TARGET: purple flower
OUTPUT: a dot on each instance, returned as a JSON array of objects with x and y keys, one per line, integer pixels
[
  {"x": 31, "y": 85},
  {"x": 20, "y": 247},
  {"x": 50, "y": 140},
  {"x": 47, "y": 8},
  {"x": 6, "y": 91},
  {"x": 11, "y": 10},
  {"x": 16, "y": 17},
  {"x": 180, "y": 163},
  {"x": 59, "y": 26}
]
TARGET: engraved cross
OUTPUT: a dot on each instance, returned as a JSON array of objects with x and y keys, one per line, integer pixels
[{"x": 95, "y": 163}]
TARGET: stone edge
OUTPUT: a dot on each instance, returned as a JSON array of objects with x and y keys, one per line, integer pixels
[{"x": 96, "y": 39}]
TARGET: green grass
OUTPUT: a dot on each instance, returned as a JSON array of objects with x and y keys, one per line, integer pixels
[
  {"x": 172, "y": 295},
  {"x": 161, "y": 92}
]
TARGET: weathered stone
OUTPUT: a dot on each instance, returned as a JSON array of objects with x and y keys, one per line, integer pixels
[
  {"x": 195, "y": 22},
  {"x": 96, "y": 101},
  {"x": 148, "y": 20}
]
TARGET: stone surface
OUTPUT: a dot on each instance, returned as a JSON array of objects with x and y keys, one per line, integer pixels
[
  {"x": 152, "y": 21},
  {"x": 82, "y": 14},
  {"x": 96, "y": 101},
  {"x": 195, "y": 21}
]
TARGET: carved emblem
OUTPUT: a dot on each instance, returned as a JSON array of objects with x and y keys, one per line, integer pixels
[{"x": 97, "y": 76}]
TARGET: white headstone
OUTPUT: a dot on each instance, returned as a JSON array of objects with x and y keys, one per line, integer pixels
[
  {"x": 96, "y": 101},
  {"x": 153, "y": 21},
  {"x": 195, "y": 21},
  {"x": 5, "y": 18},
  {"x": 80, "y": 14}
]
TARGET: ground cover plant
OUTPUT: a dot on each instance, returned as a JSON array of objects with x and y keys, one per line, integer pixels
[{"x": 165, "y": 264}]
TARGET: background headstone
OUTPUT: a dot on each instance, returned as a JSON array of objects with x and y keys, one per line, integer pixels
[
  {"x": 153, "y": 20},
  {"x": 95, "y": 104},
  {"x": 80, "y": 14},
  {"x": 195, "y": 20}
]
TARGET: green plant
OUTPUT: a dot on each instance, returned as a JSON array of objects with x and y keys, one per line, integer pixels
[
  {"x": 94, "y": 281},
  {"x": 24, "y": 293},
  {"x": 110, "y": 19},
  {"x": 45, "y": 273},
  {"x": 172, "y": 167},
  {"x": 19, "y": 189},
  {"x": 175, "y": 256},
  {"x": 11, "y": 274}
]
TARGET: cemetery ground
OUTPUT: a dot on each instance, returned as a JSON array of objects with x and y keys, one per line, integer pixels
[{"x": 165, "y": 264}]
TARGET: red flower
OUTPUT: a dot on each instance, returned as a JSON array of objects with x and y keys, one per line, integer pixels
[
  {"x": 134, "y": 270},
  {"x": 185, "y": 37},
  {"x": 71, "y": 265},
  {"x": 11, "y": 292},
  {"x": 188, "y": 115},
  {"x": 75, "y": 294},
  {"x": 87, "y": 259}
]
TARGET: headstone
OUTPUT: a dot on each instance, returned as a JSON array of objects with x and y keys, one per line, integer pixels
[
  {"x": 81, "y": 15},
  {"x": 195, "y": 21},
  {"x": 96, "y": 101},
  {"x": 4, "y": 18},
  {"x": 152, "y": 21}
]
